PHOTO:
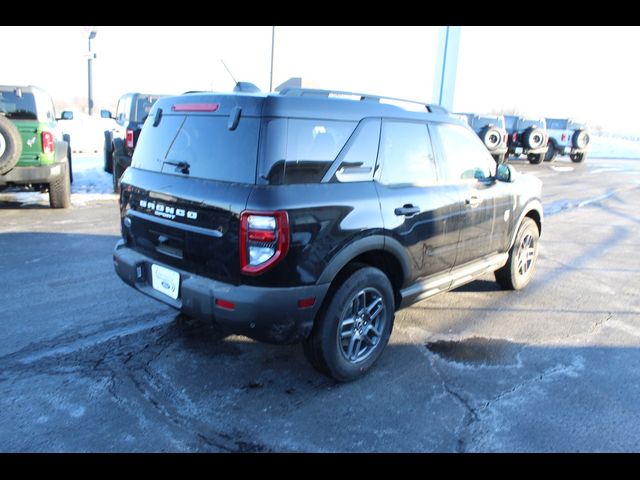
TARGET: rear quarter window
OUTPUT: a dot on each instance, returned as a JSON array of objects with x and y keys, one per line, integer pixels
[{"x": 299, "y": 150}]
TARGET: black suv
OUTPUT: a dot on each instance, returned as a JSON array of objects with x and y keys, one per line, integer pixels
[
  {"x": 120, "y": 142},
  {"x": 303, "y": 216}
]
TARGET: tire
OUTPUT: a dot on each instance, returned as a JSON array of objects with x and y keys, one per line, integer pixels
[
  {"x": 577, "y": 157},
  {"x": 10, "y": 145},
  {"x": 580, "y": 139},
  {"x": 533, "y": 138},
  {"x": 117, "y": 172},
  {"x": 551, "y": 154},
  {"x": 499, "y": 158},
  {"x": 523, "y": 255},
  {"x": 67, "y": 138},
  {"x": 108, "y": 152},
  {"x": 336, "y": 346},
  {"x": 491, "y": 137},
  {"x": 535, "y": 158},
  {"x": 60, "y": 189}
]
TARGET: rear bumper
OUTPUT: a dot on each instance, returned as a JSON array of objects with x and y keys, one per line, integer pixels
[
  {"x": 265, "y": 314},
  {"x": 25, "y": 175}
]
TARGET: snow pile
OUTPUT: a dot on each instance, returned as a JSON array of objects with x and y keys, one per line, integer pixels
[{"x": 613, "y": 147}]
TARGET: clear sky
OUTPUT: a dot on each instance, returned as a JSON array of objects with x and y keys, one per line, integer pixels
[{"x": 590, "y": 73}]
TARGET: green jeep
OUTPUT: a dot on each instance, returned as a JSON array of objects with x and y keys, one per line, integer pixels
[{"x": 33, "y": 151}]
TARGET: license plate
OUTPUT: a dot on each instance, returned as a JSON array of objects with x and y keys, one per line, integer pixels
[
  {"x": 518, "y": 150},
  {"x": 165, "y": 280}
]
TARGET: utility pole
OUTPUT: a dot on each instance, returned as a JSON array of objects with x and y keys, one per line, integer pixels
[
  {"x": 444, "y": 85},
  {"x": 273, "y": 36},
  {"x": 91, "y": 56}
]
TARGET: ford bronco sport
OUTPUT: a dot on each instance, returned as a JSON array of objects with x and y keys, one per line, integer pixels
[
  {"x": 33, "y": 151},
  {"x": 311, "y": 215}
]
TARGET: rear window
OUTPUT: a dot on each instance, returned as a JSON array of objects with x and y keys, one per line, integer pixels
[
  {"x": 18, "y": 107},
  {"x": 301, "y": 151},
  {"x": 481, "y": 122},
  {"x": 200, "y": 146},
  {"x": 556, "y": 124}
]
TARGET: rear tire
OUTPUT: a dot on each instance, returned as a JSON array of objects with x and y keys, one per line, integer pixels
[
  {"x": 353, "y": 328},
  {"x": 523, "y": 255},
  {"x": 577, "y": 157},
  {"x": 60, "y": 189}
]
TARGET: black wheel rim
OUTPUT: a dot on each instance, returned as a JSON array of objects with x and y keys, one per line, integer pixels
[
  {"x": 526, "y": 256},
  {"x": 361, "y": 325}
]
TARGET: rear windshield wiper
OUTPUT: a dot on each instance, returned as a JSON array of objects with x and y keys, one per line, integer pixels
[{"x": 183, "y": 167}]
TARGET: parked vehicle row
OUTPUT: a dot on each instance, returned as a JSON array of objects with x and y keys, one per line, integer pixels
[{"x": 537, "y": 138}]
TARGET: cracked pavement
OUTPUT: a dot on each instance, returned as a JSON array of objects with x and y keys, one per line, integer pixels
[{"x": 88, "y": 364}]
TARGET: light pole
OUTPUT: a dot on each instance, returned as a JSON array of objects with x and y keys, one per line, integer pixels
[
  {"x": 92, "y": 35},
  {"x": 273, "y": 37}
]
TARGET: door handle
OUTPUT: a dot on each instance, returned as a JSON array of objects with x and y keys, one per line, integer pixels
[
  {"x": 473, "y": 201},
  {"x": 407, "y": 210}
]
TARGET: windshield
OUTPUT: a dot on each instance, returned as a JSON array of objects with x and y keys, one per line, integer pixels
[{"x": 17, "y": 107}]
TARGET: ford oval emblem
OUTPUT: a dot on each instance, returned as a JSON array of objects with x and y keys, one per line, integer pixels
[{"x": 167, "y": 285}]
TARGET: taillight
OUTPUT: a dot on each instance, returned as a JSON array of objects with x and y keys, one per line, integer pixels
[
  {"x": 264, "y": 240},
  {"x": 47, "y": 142},
  {"x": 129, "y": 138},
  {"x": 514, "y": 137},
  {"x": 564, "y": 137}
]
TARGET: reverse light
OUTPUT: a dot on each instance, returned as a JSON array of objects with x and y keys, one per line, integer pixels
[
  {"x": 264, "y": 240},
  {"x": 47, "y": 143},
  {"x": 129, "y": 138}
]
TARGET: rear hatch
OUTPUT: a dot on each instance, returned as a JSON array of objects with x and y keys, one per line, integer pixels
[
  {"x": 192, "y": 172},
  {"x": 20, "y": 107}
]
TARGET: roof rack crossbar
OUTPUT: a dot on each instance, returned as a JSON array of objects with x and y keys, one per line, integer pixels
[{"x": 298, "y": 92}]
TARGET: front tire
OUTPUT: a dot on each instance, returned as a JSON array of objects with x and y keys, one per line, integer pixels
[
  {"x": 350, "y": 334},
  {"x": 523, "y": 255},
  {"x": 551, "y": 154},
  {"x": 577, "y": 157},
  {"x": 535, "y": 158},
  {"x": 117, "y": 173}
]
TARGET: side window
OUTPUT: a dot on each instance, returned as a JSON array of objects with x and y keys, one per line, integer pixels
[
  {"x": 359, "y": 160},
  {"x": 301, "y": 151},
  {"x": 406, "y": 154},
  {"x": 465, "y": 156},
  {"x": 122, "y": 111}
]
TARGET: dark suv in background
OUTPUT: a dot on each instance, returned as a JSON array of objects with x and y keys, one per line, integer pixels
[
  {"x": 303, "y": 216},
  {"x": 527, "y": 136},
  {"x": 120, "y": 142},
  {"x": 34, "y": 153}
]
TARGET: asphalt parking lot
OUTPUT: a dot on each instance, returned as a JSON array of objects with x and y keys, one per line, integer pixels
[{"x": 88, "y": 364}]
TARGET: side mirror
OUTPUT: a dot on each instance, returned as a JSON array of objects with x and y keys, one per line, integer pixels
[
  {"x": 66, "y": 115},
  {"x": 106, "y": 114},
  {"x": 505, "y": 172}
]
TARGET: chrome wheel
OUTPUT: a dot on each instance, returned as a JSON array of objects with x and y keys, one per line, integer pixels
[
  {"x": 361, "y": 325},
  {"x": 526, "y": 255}
]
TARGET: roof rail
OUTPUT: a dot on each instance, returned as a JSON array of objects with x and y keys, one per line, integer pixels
[{"x": 299, "y": 92}]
